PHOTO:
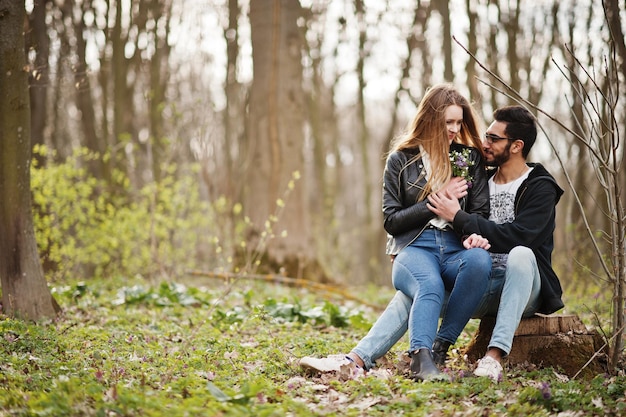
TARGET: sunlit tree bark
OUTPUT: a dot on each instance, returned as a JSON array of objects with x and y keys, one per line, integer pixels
[
  {"x": 510, "y": 22},
  {"x": 470, "y": 68},
  {"x": 612, "y": 10},
  {"x": 60, "y": 84},
  {"x": 367, "y": 238},
  {"x": 574, "y": 229},
  {"x": 25, "y": 293},
  {"x": 325, "y": 180},
  {"x": 416, "y": 47},
  {"x": 493, "y": 58},
  {"x": 123, "y": 104},
  {"x": 160, "y": 12},
  {"x": 444, "y": 10},
  {"x": 234, "y": 112},
  {"x": 549, "y": 25},
  {"x": 38, "y": 42},
  {"x": 98, "y": 167},
  {"x": 276, "y": 142}
]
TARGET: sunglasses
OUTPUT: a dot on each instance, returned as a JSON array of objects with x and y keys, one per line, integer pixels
[{"x": 491, "y": 138}]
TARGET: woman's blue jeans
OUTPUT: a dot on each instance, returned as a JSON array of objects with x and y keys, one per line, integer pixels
[
  {"x": 520, "y": 299},
  {"x": 434, "y": 263}
]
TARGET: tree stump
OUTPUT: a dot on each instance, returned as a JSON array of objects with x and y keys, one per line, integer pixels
[{"x": 559, "y": 341}]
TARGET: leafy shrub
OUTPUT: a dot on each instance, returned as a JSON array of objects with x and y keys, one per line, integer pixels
[{"x": 87, "y": 227}]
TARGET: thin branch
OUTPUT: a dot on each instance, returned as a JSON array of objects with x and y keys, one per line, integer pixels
[
  {"x": 526, "y": 103},
  {"x": 593, "y": 274},
  {"x": 521, "y": 100},
  {"x": 597, "y": 352},
  {"x": 579, "y": 203}
]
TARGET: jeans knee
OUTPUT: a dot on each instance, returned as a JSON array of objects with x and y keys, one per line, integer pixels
[
  {"x": 481, "y": 260},
  {"x": 401, "y": 302},
  {"x": 403, "y": 279},
  {"x": 521, "y": 251},
  {"x": 400, "y": 277},
  {"x": 521, "y": 257}
]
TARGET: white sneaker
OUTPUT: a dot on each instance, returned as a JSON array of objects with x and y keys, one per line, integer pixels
[
  {"x": 490, "y": 368},
  {"x": 331, "y": 363}
]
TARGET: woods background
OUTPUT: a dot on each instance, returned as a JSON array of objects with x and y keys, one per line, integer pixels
[{"x": 274, "y": 118}]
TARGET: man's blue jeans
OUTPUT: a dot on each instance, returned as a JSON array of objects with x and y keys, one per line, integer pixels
[
  {"x": 434, "y": 263},
  {"x": 512, "y": 294}
]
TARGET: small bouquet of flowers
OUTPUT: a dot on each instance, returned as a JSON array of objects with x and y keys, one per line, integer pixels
[{"x": 461, "y": 164}]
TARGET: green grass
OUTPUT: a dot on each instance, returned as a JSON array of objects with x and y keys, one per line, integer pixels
[{"x": 167, "y": 350}]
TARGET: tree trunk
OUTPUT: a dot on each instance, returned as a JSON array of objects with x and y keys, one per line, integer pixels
[
  {"x": 493, "y": 59},
  {"x": 578, "y": 153},
  {"x": 233, "y": 113},
  {"x": 98, "y": 167},
  {"x": 159, "y": 76},
  {"x": 25, "y": 293},
  {"x": 38, "y": 41},
  {"x": 276, "y": 142},
  {"x": 123, "y": 100},
  {"x": 367, "y": 238},
  {"x": 612, "y": 12},
  {"x": 444, "y": 10},
  {"x": 511, "y": 25},
  {"x": 60, "y": 83},
  {"x": 470, "y": 68},
  {"x": 325, "y": 178}
]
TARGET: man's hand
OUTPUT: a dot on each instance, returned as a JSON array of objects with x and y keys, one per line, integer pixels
[
  {"x": 444, "y": 205},
  {"x": 455, "y": 187},
  {"x": 476, "y": 241}
]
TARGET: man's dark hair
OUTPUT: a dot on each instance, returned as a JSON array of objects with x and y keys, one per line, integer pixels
[{"x": 520, "y": 124}]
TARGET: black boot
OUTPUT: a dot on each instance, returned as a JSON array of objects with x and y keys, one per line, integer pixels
[
  {"x": 440, "y": 351},
  {"x": 423, "y": 367}
]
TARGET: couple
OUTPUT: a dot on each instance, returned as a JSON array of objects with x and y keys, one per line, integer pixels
[{"x": 442, "y": 217}]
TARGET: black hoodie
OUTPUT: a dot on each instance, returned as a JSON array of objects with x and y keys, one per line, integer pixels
[{"x": 533, "y": 227}]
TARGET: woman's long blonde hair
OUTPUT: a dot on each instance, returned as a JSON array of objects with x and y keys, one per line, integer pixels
[{"x": 428, "y": 129}]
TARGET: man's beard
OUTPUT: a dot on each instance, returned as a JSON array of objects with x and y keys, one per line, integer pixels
[{"x": 500, "y": 159}]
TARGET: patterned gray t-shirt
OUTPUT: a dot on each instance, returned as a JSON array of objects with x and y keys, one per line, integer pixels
[{"x": 502, "y": 210}]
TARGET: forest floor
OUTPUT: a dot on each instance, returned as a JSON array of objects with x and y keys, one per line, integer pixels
[{"x": 212, "y": 349}]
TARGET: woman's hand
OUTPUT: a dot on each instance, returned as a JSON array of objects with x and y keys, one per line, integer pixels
[
  {"x": 456, "y": 187},
  {"x": 476, "y": 241}
]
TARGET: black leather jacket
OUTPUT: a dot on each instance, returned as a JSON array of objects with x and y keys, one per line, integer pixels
[{"x": 405, "y": 218}]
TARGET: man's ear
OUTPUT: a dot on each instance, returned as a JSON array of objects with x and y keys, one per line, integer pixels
[{"x": 518, "y": 146}]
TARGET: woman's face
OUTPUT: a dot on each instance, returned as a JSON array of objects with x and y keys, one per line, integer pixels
[{"x": 454, "y": 120}]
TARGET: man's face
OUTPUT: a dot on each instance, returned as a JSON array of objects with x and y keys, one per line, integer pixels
[{"x": 497, "y": 145}]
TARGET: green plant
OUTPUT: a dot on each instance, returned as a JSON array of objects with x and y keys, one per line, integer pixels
[
  {"x": 130, "y": 348},
  {"x": 83, "y": 228}
]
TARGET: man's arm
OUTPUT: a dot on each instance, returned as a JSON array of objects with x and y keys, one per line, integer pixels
[{"x": 532, "y": 218}]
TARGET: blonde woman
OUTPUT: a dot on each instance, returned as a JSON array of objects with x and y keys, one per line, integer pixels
[{"x": 430, "y": 259}]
